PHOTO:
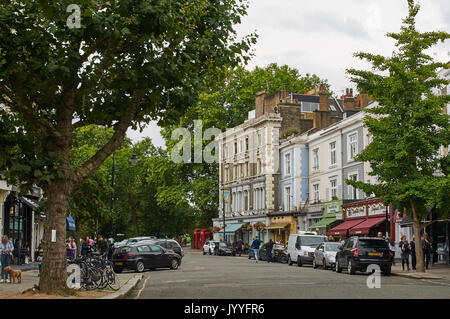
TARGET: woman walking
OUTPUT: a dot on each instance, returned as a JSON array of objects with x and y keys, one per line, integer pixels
[
  {"x": 405, "y": 251},
  {"x": 412, "y": 244},
  {"x": 6, "y": 252},
  {"x": 71, "y": 247}
]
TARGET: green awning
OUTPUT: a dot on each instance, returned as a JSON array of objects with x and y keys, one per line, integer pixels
[
  {"x": 323, "y": 223},
  {"x": 233, "y": 228}
]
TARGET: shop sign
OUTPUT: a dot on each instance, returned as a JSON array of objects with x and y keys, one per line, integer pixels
[
  {"x": 339, "y": 216},
  {"x": 377, "y": 209},
  {"x": 358, "y": 211}
]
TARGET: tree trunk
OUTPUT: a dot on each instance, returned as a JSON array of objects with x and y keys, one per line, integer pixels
[
  {"x": 420, "y": 266},
  {"x": 54, "y": 264}
]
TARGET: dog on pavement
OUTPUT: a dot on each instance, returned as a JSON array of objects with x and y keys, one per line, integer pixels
[{"x": 13, "y": 274}]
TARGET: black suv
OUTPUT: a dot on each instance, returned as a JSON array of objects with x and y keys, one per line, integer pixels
[
  {"x": 358, "y": 253},
  {"x": 141, "y": 256}
]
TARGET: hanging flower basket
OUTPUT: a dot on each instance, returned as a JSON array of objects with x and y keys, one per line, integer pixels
[
  {"x": 216, "y": 229},
  {"x": 259, "y": 226},
  {"x": 246, "y": 227}
]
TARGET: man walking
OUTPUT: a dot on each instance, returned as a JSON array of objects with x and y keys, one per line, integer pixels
[
  {"x": 255, "y": 245},
  {"x": 102, "y": 246},
  {"x": 269, "y": 251},
  {"x": 239, "y": 245}
]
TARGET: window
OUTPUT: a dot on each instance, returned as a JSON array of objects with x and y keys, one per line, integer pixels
[
  {"x": 333, "y": 184},
  {"x": 309, "y": 106},
  {"x": 143, "y": 249},
  {"x": 259, "y": 139},
  {"x": 287, "y": 201},
  {"x": 315, "y": 160},
  {"x": 316, "y": 193},
  {"x": 246, "y": 143},
  {"x": 240, "y": 146},
  {"x": 245, "y": 200},
  {"x": 332, "y": 153},
  {"x": 156, "y": 249},
  {"x": 353, "y": 191},
  {"x": 353, "y": 145},
  {"x": 235, "y": 148},
  {"x": 287, "y": 164}
]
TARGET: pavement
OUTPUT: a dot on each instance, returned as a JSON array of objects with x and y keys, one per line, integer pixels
[
  {"x": 30, "y": 278},
  {"x": 219, "y": 277}
]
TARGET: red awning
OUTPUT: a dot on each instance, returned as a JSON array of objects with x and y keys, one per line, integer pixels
[
  {"x": 364, "y": 228},
  {"x": 342, "y": 228}
]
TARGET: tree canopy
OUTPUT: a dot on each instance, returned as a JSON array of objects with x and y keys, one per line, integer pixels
[{"x": 409, "y": 125}]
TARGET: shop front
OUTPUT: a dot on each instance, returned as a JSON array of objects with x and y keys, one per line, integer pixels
[
  {"x": 363, "y": 218},
  {"x": 281, "y": 227},
  {"x": 330, "y": 210}
]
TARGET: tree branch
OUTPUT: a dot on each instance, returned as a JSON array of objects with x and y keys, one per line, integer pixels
[{"x": 119, "y": 134}]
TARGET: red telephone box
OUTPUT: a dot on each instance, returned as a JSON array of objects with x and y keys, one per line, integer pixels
[
  {"x": 204, "y": 235},
  {"x": 195, "y": 243}
]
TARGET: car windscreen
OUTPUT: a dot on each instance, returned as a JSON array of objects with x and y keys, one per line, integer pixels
[
  {"x": 311, "y": 240},
  {"x": 371, "y": 243},
  {"x": 223, "y": 245},
  {"x": 332, "y": 247}
]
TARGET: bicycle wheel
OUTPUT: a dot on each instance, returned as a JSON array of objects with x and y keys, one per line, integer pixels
[{"x": 113, "y": 280}]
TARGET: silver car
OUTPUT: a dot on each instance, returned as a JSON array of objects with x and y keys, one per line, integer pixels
[
  {"x": 325, "y": 255},
  {"x": 208, "y": 247}
]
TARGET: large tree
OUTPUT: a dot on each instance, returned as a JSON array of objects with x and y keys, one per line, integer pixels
[
  {"x": 408, "y": 126},
  {"x": 223, "y": 104},
  {"x": 129, "y": 62}
]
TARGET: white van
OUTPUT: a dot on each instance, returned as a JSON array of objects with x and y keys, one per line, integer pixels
[{"x": 301, "y": 247}]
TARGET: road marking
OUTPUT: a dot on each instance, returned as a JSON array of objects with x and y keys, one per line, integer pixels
[{"x": 143, "y": 286}]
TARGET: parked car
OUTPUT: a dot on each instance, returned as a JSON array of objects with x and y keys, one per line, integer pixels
[
  {"x": 358, "y": 253},
  {"x": 169, "y": 244},
  {"x": 224, "y": 249},
  {"x": 141, "y": 256},
  {"x": 262, "y": 252},
  {"x": 325, "y": 255},
  {"x": 120, "y": 243},
  {"x": 137, "y": 239},
  {"x": 208, "y": 247},
  {"x": 301, "y": 247}
]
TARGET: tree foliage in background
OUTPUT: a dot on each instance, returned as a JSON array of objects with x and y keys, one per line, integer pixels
[
  {"x": 223, "y": 104},
  {"x": 129, "y": 62},
  {"x": 409, "y": 126}
]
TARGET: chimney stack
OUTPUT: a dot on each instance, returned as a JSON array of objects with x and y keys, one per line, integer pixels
[
  {"x": 323, "y": 99},
  {"x": 259, "y": 103}
]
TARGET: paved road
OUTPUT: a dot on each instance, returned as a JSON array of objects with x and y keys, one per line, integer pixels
[{"x": 237, "y": 277}]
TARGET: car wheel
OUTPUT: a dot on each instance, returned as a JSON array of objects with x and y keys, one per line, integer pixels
[
  {"x": 117, "y": 270},
  {"x": 338, "y": 267},
  {"x": 204, "y": 252},
  {"x": 350, "y": 267},
  {"x": 289, "y": 261},
  {"x": 324, "y": 264},
  {"x": 314, "y": 263},
  {"x": 299, "y": 261},
  {"x": 174, "y": 264},
  {"x": 210, "y": 252},
  {"x": 140, "y": 266}
]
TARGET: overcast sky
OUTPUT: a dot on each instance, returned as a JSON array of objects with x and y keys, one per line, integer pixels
[{"x": 321, "y": 36}]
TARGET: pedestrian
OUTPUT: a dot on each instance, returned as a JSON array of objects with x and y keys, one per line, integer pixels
[
  {"x": 6, "y": 252},
  {"x": 85, "y": 248},
  {"x": 269, "y": 248},
  {"x": 39, "y": 260},
  {"x": 239, "y": 245},
  {"x": 412, "y": 244},
  {"x": 71, "y": 247},
  {"x": 426, "y": 250},
  {"x": 255, "y": 245},
  {"x": 405, "y": 251},
  {"x": 393, "y": 249},
  {"x": 330, "y": 238},
  {"x": 184, "y": 241},
  {"x": 102, "y": 246},
  {"x": 380, "y": 235}
]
